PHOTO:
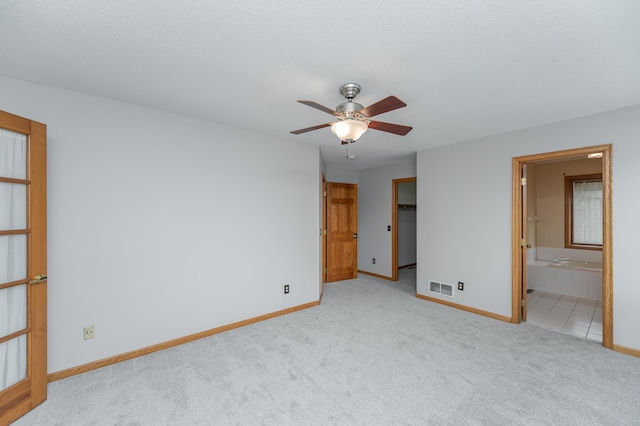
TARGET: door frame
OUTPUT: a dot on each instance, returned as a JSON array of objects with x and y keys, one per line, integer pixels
[
  {"x": 32, "y": 391},
  {"x": 607, "y": 233},
  {"x": 394, "y": 224},
  {"x": 323, "y": 233},
  {"x": 524, "y": 191}
]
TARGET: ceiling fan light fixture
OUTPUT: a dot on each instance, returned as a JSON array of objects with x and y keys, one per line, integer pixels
[{"x": 349, "y": 130}]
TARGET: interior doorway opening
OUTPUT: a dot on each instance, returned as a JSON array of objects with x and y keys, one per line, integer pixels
[
  {"x": 403, "y": 226},
  {"x": 526, "y": 244}
]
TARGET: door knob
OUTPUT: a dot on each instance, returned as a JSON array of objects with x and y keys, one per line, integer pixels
[{"x": 38, "y": 279}]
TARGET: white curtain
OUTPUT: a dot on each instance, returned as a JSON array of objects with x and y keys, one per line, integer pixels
[
  {"x": 13, "y": 258},
  {"x": 587, "y": 212}
]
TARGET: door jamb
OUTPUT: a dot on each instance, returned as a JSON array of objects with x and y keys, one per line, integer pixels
[
  {"x": 394, "y": 225},
  {"x": 607, "y": 233},
  {"x": 323, "y": 233}
]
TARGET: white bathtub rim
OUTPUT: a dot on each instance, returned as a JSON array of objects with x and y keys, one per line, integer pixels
[
  {"x": 569, "y": 264},
  {"x": 577, "y": 264}
]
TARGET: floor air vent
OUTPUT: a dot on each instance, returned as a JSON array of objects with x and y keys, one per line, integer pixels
[{"x": 440, "y": 288}]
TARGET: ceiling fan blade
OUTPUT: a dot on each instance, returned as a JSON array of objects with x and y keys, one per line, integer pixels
[
  {"x": 308, "y": 129},
  {"x": 387, "y": 104},
  {"x": 398, "y": 129},
  {"x": 320, "y": 107}
]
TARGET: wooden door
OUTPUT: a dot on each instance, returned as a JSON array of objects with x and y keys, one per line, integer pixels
[
  {"x": 342, "y": 231},
  {"x": 23, "y": 266}
]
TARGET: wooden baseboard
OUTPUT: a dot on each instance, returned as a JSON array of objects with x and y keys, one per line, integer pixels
[
  {"x": 465, "y": 308},
  {"x": 626, "y": 350},
  {"x": 63, "y": 374},
  {"x": 375, "y": 275}
]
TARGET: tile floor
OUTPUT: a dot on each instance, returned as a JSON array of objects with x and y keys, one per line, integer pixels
[{"x": 566, "y": 314}]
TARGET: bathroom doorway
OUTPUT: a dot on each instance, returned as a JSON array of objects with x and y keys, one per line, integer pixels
[{"x": 567, "y": 285}]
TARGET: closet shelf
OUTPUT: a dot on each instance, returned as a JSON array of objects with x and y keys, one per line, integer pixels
[{"x": 406, "y": 206}]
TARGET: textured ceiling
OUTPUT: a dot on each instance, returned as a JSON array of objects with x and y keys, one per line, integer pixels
[{"x": 466, "y": 69}]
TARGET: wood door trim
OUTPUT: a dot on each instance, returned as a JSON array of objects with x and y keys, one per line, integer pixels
[
  {"x": 323, "y": 233},
  {"x": 14, "y": 410},
  {"x": 394, "y": 224},
  {"x": 524, "y": 235},
  {"x": 16, "y": 123},
  {"x": 13, "y": 284},
  {"x": 37, "y": 264},
  {"x": 15, "y": 232},
  {"x": 14, "y": 335},
  {"x": 14, "y": 180},
  {"x": 607, "y": 232}
]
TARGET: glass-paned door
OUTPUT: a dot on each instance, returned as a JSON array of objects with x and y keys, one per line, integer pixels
[
  {"x": 13, "y": 258},
  {"x": 22, "y": 257}
]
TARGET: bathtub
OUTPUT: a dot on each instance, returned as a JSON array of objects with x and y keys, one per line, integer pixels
[{"x": 570, "y": 277}]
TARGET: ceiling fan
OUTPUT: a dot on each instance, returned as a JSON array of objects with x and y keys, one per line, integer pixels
[{"x": 354, "y": 119}]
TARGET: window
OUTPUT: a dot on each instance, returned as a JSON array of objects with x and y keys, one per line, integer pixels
[{"x": 583, "y": 211}]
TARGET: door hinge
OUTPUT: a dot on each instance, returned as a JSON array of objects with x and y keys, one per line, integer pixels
[
  {"x": 325, "y": 270},
  {"x": 523, "y": 181},
  {"x": 325, "y": 193},
  {"x": 524, "y": 303},
  {"x": 523, "y": 242},
  {"x": 325, "y": 232}
]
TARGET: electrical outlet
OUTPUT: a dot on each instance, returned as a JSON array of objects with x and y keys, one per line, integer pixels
[
  {"x": 89, "y": 332},
  {"x": 460, "y": 286},
  {"x": 286, "y": 289},
  {"x": 373, "y": 260}
]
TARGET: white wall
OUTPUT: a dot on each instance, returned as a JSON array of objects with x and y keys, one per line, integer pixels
[
  {"x": 160, "y": 226},
  {"x": 464, "y": 220},
  {"x": 341, "y": 175},
  {"x": 375, "y": 194}
]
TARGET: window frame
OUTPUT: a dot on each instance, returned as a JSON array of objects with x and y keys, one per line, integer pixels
[{"x": 568, "y": 210}]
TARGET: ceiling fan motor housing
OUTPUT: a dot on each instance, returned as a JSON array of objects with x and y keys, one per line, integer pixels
[
  {"x": 349, "y": 91},
  {"x": 349, "y": 108}
]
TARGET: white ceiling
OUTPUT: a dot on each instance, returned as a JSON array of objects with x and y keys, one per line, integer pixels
[{"x": 466, "y": 69}]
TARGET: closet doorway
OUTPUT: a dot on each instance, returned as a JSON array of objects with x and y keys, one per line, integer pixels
[{"x": 403, "y": 225}]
